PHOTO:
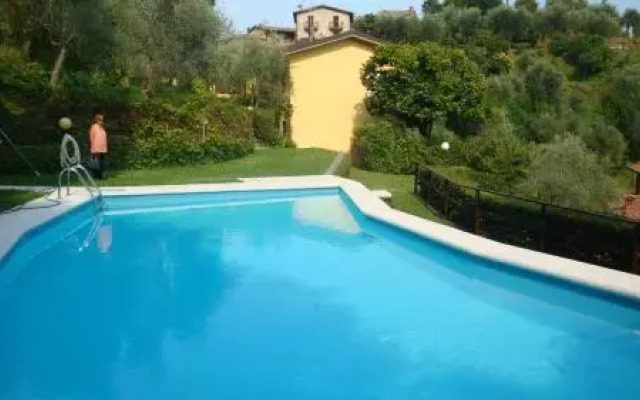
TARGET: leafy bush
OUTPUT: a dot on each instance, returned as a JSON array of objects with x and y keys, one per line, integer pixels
[
  {"x": 621, "y": 103},
  {"x": 543, "y": 83},
  {"x": 98, "y": 88},
  {"x": 17, "y": 72},
  {"x": 566, "y": 173},
  {"x": 594, "y": 21},
  {"x": 383, "y": 146},
  {"x": 499, "y": 156},
  {"x": 589, "y": 54},
  {"x": 156, "y": 144},
  {"x": 515, "y": 25},
  {"x": 544, "y": 127},
  {"x": 265, "y": 126},
  {"x": 607, "y": 142},
  {"x": 44, "y": 158}
]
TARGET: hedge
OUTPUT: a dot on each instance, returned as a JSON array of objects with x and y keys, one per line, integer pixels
[{"x": 384, "y": 146}]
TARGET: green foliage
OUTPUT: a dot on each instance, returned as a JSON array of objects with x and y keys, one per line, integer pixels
[
  {"x": 483, "y": 5},
  {"x": 18, "y": 72},
  {"x": 390, "y": 27},
  {"x": 515, "y": 25},
  {"x": 568, "y": 4},
  {"x": 462, "y": 23},
  {"x": 256, "y": 68},
  {"x": 431, "y": 7},
  {"x": 530, "y": 5},
  {"x": 552, "y": 20},
  {"x": 594, "y": 21},
  {"x": 631, "y": 20},
  {"x": 44, "y": 158},
  {"x": 589, "y": 54},
  {"x": 265, "y": 127},
  {"x": 383, "y": 146},
  {"x": 489, "y": 51},
  {"x": 621, "y": 102},
  {"x": 499, "y": 156},
  {"x": 607, "y": 142},
  {"x": 160, "y": 39},
  {"x": 422, "y": 83},
  {"x": 565, "y": 172},
  {"x": 543, "y": 83},
  {"x": 156, "y": 144}
]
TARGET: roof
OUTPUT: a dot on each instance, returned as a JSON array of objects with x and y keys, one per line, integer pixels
[
  {"x": 322, "y": 6},
  {"x": 631, "y": 208},
  {"x": 272, "y": 28},
  {"x": 411, "y": 13},
  {"x": 634, "y": 167},
  {"x": 304, "y": 45}
]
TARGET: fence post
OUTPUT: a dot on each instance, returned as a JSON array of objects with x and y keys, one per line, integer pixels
[
  {"x": 478, "y": 212},
  {"x": 635, "y": 252},
  {"x": 543, "y": 235},
  {"x": 416, "y": 178}
]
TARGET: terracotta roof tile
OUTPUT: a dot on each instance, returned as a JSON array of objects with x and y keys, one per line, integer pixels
[{"x": 631, "y": 209}]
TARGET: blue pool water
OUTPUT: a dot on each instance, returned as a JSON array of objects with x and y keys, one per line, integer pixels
[{"x": 291, "y": 295}]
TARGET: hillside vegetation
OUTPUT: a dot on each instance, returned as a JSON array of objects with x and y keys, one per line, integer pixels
[{"x": 541, "y": 101}]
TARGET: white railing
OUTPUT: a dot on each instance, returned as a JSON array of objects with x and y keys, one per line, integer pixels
[{"x": 70, "y": 163}]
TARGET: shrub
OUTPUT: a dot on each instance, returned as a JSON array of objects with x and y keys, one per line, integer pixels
[
  {"x": 589, "y": 54},
  {"x": 621, "y": 103},
  {"x": 157, "y": 144},
  {"x": 499, "y": 156},
  {"x": 607, "y": 142},
  {"x": 544, "y": 127},
  {"x": 566, "y": 173},
  {"x": 543, "y": 83},
  {"x": 44, "y": 158},
  {"x": 383, "y": 146},
  {"x": 265, "y": 126}
]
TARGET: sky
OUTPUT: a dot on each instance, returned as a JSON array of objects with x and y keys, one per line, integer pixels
[{"x": 246, "y": 13}]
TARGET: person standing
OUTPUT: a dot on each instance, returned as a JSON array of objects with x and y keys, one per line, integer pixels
[{"x": 98, "y": 146}]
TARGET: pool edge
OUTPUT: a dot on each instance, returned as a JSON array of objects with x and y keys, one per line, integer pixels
[{"x": 22, "y": 222}]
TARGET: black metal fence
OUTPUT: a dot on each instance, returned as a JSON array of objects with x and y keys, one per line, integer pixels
[{"x": 601, "y": 239}]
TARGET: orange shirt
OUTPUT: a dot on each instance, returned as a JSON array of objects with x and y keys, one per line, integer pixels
[{"x": 97, "y": 140}]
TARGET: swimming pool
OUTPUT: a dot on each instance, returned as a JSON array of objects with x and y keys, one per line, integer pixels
[{"x": 292, "y": 295}]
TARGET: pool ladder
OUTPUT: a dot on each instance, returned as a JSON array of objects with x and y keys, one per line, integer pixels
[{"x": 70, "y": 163}]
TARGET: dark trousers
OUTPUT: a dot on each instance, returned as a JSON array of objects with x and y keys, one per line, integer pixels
[{"x": 98, "y": 165}]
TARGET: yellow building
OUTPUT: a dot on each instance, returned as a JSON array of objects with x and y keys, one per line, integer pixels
[{"x": 327, "y": 94}]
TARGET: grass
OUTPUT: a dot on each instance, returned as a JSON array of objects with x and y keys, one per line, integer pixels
[
  {"x": 12, "y": 198},
  {"x": 401, "y": 187},
  {"x": 264, "y": 162}
]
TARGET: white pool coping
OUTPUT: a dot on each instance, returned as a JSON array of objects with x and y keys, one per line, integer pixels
[{"x": 15, "y": 224}]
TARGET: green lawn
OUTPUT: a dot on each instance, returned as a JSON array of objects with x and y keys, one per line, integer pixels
[
  {"x": 12, "y": 198},
  {"x": 401, "y": 187},
  {"x": 264, "y": 162}
]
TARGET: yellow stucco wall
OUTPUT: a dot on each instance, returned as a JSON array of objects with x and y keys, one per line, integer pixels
[{"x": 327, "y": 94}]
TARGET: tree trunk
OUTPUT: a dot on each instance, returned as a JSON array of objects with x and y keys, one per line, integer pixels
[
  {"x": 148, "y": 84},
  {"x": 57, "y": 66}
]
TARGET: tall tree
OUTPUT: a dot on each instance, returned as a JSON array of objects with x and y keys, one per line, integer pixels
[
  {"x": 423, "y": 83},
  {"x": 631, "y": 21},
  {"x": 166, "y": 38},
  {"x": 431, "y": 7},
  {"x": 531, "y": 5}
]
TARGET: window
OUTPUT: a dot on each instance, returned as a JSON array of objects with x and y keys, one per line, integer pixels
[{"x": 336, "y": 20}]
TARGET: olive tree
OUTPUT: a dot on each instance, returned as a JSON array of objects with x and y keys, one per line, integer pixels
[
  {"x": 565, "y": 172},
  {"x": 422, "y": 83}
]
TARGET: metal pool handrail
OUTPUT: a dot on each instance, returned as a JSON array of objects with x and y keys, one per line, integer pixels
[{"x": 70, "y": 163}]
